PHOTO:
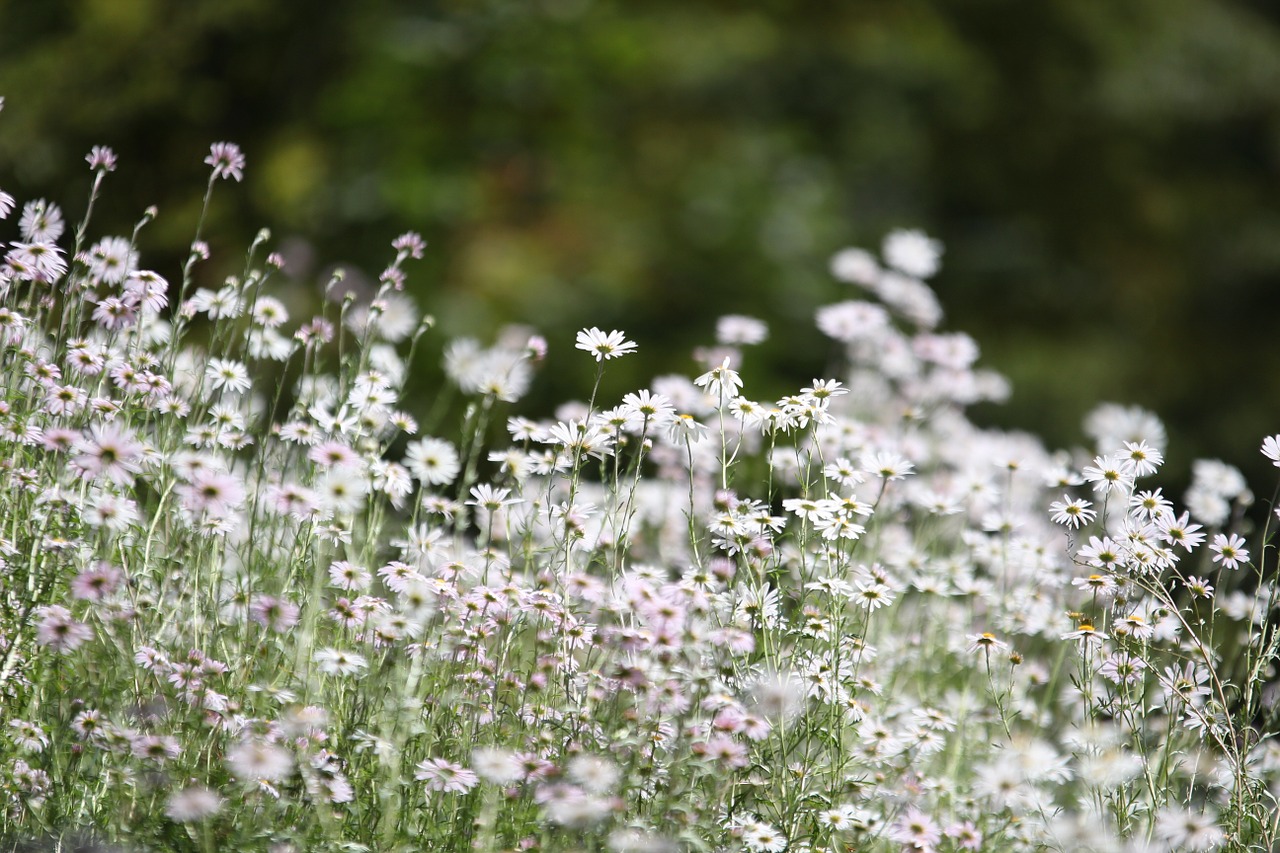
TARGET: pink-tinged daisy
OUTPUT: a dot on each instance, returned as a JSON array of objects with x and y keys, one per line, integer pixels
[
  {"x": 293, "y": 500},
  {"x": 227, "y": 160},
  {"x": 157, "y": 748},
  {"x": 332, "y": 454},
  {"x": 65, "y": 400},
  {"x": 916, "y": 830},
  {"x": 101, "y": 159},
  {"x": 273, "y": 613},
  {"x": 445, "y": 776},
  {"x": 214, "y": 492},
  {"x": 114, "y": 313},
  {"x": 28, "y": 736},
  {"x": 1199, "y": 587},
  {"x": 59, "y": 631},
  {"x": 109, "y": 451},
  {"x": 111, "y": 259},
  {"x": 97, "y": 583},
  {"x": 965, "y": 835},
  {"x": 410, "y": 243},
  {"x": 41, "y": 222}
]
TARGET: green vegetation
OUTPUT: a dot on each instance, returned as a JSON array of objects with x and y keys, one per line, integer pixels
[{"x": 1103, "y": 175}]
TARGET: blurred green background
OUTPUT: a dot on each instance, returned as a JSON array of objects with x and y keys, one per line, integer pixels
[{"x": 1105, "y": 175}]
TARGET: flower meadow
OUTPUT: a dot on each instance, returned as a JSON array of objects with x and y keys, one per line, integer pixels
[{"x": 254, "y": 597}]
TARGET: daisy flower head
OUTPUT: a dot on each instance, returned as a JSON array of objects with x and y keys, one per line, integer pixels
[
  {"x": 96, "y": 583},
  {"x": 649, "y": 407},
  {"x": 597, "y": 775},
  {"x": 873, "y": 595},
  {"x": 274, "y": 614},
  {"x": 445, "y": 776},
  {"x": 227, "y": 374},
  {"x": 255, "y": 760},
  {"x": 411, "y": 244},
  {"x": 853, "y": 320},
  {"x": 1145, "y": 459},
  {"x": 916, "y": 830},
  {"x": 1122, "y": 667},
  {"x": 1085, "y": 632},
  {"x": 1072, "y": 512},
  {"x": 28, "y": 736},
  {"x": 985, "y": 642},
  {"x": 41, "y": 222},
  {"x": 1102, "y": 586},
  {"x": 339, "y": 662},
  {"x": 1111, "y": 425},
  {"x": 349, "y": 576},
  {"x": 887, "y": 465},
  {"x": 844, "y": 472},
  {"x": 602, "y": 345},
  {"x": 433, "y": 461},
  {"x": 1229, "y": 550},
  {"x": 722, "y": 382},
  {"x": 192, "y": 804},
  {"x": 912, "y": 252},
  {"x": 1271, "y": 449},
  {"x": 227, "y": 161},
  {"x": 101, "y": 158},
  {"x": 1110, "y": 473},
  {"x": 735, "y": 329},
  {"x": 855, "y": 266},
  {"x": 499, "y": 766},
  {"x": 111, "y": 452},
  {"x": 965, "y": 835},
  {"x": 763, "y": 838},
  {"x": 1179, "y": 530},
  {"x": 485, "y": 496},
  {"x": 1150, "y": 505},
  {"x": 685, "y": 428},
  {"x": 211, "y": 491},
  {"x": 1189, "y": 830}
]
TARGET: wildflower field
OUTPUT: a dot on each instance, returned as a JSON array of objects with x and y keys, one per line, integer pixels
[{"x": 253, "y": 597}]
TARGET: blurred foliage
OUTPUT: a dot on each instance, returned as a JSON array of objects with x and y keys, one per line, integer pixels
[{"x": 1104, "y": 175}]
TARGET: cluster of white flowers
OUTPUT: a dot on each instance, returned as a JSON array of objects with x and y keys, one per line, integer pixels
[{"x": 247, "y": 605}]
